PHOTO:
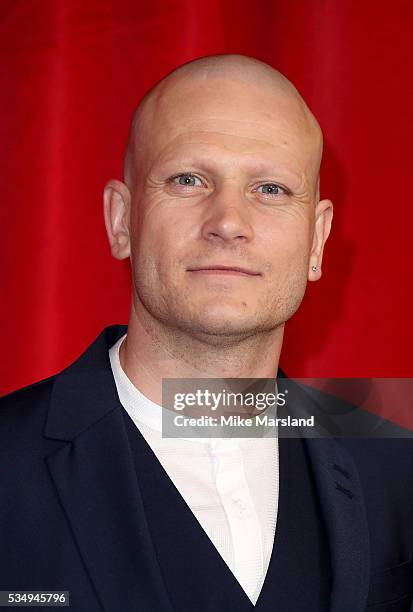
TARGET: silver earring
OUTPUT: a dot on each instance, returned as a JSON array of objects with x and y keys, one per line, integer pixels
[{"x": 314, "y": 268}]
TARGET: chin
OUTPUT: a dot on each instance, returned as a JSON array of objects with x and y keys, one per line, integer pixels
[{"x": 219, "y": 324}]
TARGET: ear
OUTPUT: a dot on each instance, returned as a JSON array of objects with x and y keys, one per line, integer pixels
[
  {"x": 116, "y": 206},
  {"x": 322, "y": 227}
]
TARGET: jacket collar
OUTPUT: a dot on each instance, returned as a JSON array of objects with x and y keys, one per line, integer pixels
[{"x": 84, "y": 392}]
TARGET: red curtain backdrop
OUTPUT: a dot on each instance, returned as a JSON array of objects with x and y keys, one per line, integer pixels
[{"x": 71, "y": 74}]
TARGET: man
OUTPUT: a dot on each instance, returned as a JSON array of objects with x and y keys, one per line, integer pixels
[{"x": 220, "y": 215}]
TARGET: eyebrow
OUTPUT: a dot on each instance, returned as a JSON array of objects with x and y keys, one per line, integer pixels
[{"x": 251, "y": 165}]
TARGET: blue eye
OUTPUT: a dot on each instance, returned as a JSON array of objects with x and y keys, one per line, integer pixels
[
  {"x": 187, "y": 180},
  {"x": 271, "y": 189}
]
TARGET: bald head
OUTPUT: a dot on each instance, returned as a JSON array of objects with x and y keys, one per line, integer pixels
[{"x": 234, "y": 83}]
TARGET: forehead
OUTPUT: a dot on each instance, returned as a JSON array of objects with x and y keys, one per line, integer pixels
[
  {"x": 227, "y": 154},
  {"x": 235, "y": 118}
]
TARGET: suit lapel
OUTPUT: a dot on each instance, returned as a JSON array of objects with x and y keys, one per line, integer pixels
[
  {"x": 344, "y": 511},
  {"x": 95, "y": 479},
  {"x": 342, "y": 504}
]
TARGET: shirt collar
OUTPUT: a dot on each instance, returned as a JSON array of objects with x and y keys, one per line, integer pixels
[{"x": 140, "y": 408}]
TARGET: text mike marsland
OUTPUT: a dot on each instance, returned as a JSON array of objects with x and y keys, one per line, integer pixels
[{"x": 238, "y": 421}]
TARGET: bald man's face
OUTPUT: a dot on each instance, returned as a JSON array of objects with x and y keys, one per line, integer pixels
[{"x": 226, "y": 178}]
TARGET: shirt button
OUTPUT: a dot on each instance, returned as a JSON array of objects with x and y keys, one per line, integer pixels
[{"x": 240, "y": 505}]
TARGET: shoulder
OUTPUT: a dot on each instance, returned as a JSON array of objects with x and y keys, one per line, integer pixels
[
  {"x": 24, "y": 397},
  {"x": 25, "y": 409}
]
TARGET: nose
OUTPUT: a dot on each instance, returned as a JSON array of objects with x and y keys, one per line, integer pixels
[{"x": 227, "y": 217}]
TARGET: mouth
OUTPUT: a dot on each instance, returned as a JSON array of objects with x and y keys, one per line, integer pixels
[{"x": 218, "y": 269}]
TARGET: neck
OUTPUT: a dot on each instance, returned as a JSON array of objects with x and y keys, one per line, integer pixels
[{"x": 153, "y": 351}]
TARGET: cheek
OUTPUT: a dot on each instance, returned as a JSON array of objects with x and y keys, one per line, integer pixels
[
  {"x": 157, "y": 244},
  {"x": 285, "y": 242}
]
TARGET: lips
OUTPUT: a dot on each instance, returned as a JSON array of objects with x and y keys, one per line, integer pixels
[{"x": 222, "y": 268}]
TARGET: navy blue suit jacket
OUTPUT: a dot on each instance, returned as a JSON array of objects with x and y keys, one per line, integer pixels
[{"x": 72, "y": 518}]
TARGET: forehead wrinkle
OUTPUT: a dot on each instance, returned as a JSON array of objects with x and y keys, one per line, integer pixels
[
  {"x": 188, "y": 154},
  {"x": 274, "y": 132}
]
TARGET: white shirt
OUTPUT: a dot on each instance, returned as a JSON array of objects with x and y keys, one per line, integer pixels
[{"x": 231, "y": 485}]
